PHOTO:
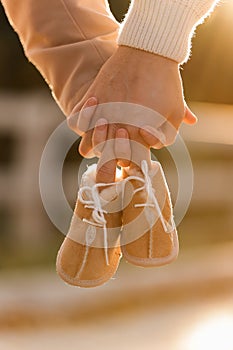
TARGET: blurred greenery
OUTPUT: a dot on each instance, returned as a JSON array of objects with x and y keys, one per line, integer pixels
[{"x": 207, "y": 77}]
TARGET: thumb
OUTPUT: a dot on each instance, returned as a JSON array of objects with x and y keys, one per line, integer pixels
[{"x": 189, "y": 117}]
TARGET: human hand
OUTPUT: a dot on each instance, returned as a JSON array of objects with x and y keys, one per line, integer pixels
[
  {"x": 106, "y": 168},
  {"x": 136, "y": 77}
]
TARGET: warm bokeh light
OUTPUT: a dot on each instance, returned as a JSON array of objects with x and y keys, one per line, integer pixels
[
  {"x": 214, "y": 333},
  {"x": 187, "y": 305}
]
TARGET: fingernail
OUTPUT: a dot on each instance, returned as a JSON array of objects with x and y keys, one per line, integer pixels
[
  {"x": 92, "y": 101},
  {"x": 122, "y": 134},
  {"x": 101, "y": 123}
]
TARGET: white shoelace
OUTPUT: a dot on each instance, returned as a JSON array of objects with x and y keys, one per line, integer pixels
[
  {"x": 98, "y": 218},
  {"x": 151, "y": 196},
  {"x": 150, "y": 203},
  {"x": 97, "y": 214}
]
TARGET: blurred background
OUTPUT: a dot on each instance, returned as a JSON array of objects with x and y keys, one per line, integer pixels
[{"x": 191, "y": 300}]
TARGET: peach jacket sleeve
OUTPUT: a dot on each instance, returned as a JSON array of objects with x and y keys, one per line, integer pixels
[{"x": 69, "y": 40}]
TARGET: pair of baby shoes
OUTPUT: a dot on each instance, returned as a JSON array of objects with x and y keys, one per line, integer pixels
[{"x": 132, "y": 217}]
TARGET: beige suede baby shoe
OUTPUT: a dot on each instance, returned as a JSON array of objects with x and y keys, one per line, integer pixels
[
  {"x": 149, "y": 236},
  {"x": 90, "y": 254}
]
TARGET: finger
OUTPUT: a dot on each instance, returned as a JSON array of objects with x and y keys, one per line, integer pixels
[
  {"x": 153, "y": 137},
  {"x": 99, "y": 136},
  {"x": 85, "y": 146},
  {"x": 73, "y": 120},
  {"x": 86, "y": 113},
  {"x": 106, "y": 167},
  {"x": 170, "y": 131},
  {"x": 189, "y": 117},
  {"x": 106, "y": 173},
  {"x": 72, "y": 123},
  {"x": 122, "y": 148}
]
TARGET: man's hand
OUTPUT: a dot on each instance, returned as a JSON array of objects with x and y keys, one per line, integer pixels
[{"x": 137, "y": 77}]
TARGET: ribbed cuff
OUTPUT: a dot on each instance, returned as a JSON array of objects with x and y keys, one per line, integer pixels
[{"x": 164, "y": 27}]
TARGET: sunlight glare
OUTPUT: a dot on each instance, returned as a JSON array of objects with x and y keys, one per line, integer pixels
[{"x": 214, "y": 334}]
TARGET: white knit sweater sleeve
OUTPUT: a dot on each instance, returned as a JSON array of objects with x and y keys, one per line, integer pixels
[{"x": 164, "y": 27}]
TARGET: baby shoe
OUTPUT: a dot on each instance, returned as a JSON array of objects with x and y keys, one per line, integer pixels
[
  {"x": 149, "y": 236},
  {"x": 90, "y": 253}
]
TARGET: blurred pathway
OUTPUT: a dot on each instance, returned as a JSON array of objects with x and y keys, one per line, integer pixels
[
  {"x": 166, "y": 308},
  {"x": 40, "y": 298}
]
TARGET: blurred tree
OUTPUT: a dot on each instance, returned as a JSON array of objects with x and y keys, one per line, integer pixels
[
  {"x": 119, "y": 8},
  {"x": 207, "y": 77}
]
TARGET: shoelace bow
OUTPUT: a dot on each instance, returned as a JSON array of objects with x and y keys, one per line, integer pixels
[
  {"x": 98, "y": 212},
  {"x": 151, "y": 196}
]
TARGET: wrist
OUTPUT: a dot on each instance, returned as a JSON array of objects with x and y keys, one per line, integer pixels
[
  {"x": 136, "y": 62},
  {"x": 138, "y": 59}
]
